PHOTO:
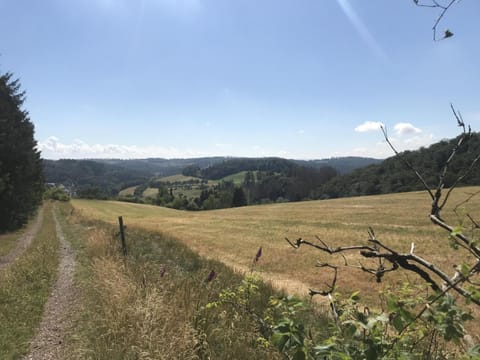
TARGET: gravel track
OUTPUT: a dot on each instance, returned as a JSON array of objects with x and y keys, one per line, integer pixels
[{"x": 57, "y": 317}]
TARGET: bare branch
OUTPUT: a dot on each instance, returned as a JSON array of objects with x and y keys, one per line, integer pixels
[
  {"x": 460, "y": 178},
  {"x": 402, "y": 260},
  {"x": 466, "y": 240},
  {"x": 476, "y": 224},
  {"x": 328, "y": 293},
  {"x": 470, "y": 196},
  {"x": 327, "y": 248},
  {"x": 443, "y": 11},
  {"x": 407, "y": 163}
]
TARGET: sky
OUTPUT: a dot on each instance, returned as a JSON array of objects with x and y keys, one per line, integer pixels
[{"x": 305, "y": 79}]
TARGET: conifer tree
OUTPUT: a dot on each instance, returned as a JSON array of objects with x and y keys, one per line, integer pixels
[{"x": 21, "y": 177}]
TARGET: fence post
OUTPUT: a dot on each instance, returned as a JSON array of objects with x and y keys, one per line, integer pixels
[{"x": 122, "y": 236}]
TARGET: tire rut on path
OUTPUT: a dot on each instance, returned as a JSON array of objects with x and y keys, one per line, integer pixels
[
  {"x": 23, "y": 243},
  {"x": 57, "y": 317}
]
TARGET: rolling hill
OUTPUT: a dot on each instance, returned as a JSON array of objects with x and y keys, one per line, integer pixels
[{"x": 392, "y": 175}]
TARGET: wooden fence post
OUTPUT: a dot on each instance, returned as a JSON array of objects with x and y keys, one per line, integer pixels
[{"x": 122, "y": 236}]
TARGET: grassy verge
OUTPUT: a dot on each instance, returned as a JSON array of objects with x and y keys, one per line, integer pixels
[
  {"x": 9, "y": 240},
  {"x": 154, "y": 303},
  {"x": 24, "y": 289}
]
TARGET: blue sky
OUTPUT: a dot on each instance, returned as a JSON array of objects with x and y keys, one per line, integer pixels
[{"x": 187, "y": 78}]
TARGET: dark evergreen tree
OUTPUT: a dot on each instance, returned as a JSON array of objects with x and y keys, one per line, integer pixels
[
  {"x": 239, "y": 198},
  {"x": 21, "y": 178}
]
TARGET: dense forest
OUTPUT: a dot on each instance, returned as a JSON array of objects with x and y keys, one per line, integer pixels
[
  {"x": 92, "y": 179},
  {"x": 220, "y": 169},
  {"x": 393, "y": 175},
  {"x": 21, "y": 178}
]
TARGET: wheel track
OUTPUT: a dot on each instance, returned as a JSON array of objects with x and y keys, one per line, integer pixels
[{"x": 57, "y": 317}]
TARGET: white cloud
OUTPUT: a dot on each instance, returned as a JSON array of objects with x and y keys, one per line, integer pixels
[
  {"x": 406, "y": 129},
  {"x": 369, "y": 126},
  {"x": 53, "y": 148},
  {"x": 382, "y": 150}
]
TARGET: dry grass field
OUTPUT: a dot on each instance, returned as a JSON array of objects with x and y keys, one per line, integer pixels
[
  {"x": 128, "y": 191},
  {"x": 150, "y": 192},
  {"x": 233, "y": 236}
]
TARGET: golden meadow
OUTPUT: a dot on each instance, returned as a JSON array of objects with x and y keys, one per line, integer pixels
[{"x": 233, "y": 236}]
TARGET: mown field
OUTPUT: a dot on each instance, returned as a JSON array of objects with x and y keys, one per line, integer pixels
[
  {"x": 189, "y": 188},
  {"x": 233, "y": 236}
]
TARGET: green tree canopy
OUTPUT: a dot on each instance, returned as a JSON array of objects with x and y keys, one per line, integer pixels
[{"x": 21, "y": 178}]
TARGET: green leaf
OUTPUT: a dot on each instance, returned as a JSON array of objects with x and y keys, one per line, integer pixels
[
  {"x": 398, "y": 323},
  {"x": 464, "y": 269},
  {"x": 355, "y": 296},
  {"x": 300, "y": 355},
  {"x": 457, "y": 230},
  {"x": 474, "y": 350},
  {"x": 279, "y": 340}
]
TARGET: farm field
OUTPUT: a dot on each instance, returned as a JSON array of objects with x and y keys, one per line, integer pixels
[
  {"x": 237, "y": 178},
  {"x": 178, "y": 178},
  {"x": 234, "y": 235},
  {"x": 150, "y": 192},
  {"x": 128, "y": 191}
]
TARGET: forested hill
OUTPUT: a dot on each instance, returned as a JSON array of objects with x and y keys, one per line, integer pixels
[
  {"x": 162, "y": 167},
  {"x": 392, "y": 175},
  {"x": 83, "y": 176},
  {"x": 108, "y": 176},
  {"x": 231, "y": 166},
  {"x": 101, "y": 178},
  {"x": 343, "y": 165}
]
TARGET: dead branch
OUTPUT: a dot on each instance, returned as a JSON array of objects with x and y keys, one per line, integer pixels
[
  {"x": 475, "y": 224},
  {"x": 437, "y": 279},
  {"x": 406, "y": 162},
  {"x": 443, "y": 10},
  {"x": 470, "y": 196},
  {"x": 327, "y": 248},
  {"x": 331, "y": 287},
  {"x": 328, "y": 293},
  {"x": 458, "y": 235}
]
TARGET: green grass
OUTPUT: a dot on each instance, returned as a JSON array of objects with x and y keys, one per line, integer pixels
[
  {"x": 24, "y": 290},
  {"x": 178, "y": 178},
  {"x": 9, "y": 240},
  {"x": 233, "y": 235},
  {"x": 237, "y": 178},
  {"x": 131, "y": 311}
]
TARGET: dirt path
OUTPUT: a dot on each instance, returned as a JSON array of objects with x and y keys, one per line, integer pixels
[
  {"x": 57, "y": 317},
  {"x": 23, "y": 243}
]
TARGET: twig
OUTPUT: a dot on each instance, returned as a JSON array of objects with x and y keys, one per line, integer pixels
[
  {"x": 444, "y": 9},
  {"x": 406, "y": 162}
]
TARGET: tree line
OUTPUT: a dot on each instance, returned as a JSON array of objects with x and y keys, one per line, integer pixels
[
  {"x": 21, "y": 177},
  {"x": 393, "y": 176}
]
